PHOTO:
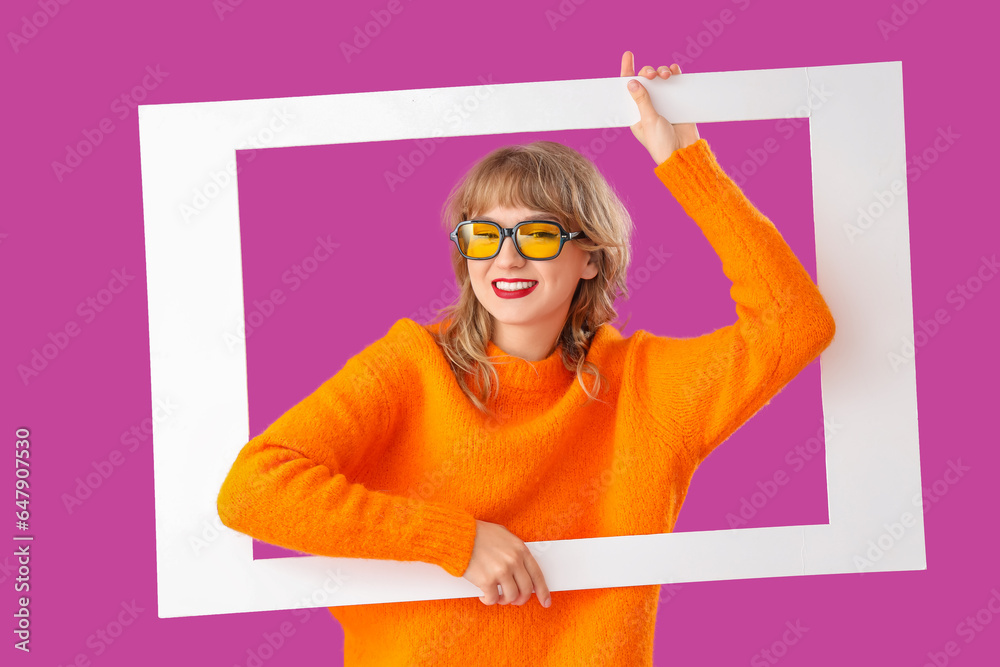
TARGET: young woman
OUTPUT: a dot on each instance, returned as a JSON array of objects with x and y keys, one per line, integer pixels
[{"x": 523, "y": 415}]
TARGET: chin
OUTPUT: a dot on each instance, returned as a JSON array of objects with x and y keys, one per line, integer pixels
[{"x": 511, "y": 315}]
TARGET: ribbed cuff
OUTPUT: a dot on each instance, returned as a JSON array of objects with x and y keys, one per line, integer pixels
[{"x": 446, "y": 537}]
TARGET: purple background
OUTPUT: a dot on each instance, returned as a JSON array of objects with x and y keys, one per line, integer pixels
[{"x": 64, "y": 235}]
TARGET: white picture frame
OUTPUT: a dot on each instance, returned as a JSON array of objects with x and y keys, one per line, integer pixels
[{"x": 856, "y": 135}]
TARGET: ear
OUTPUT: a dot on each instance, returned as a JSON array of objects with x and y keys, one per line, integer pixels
[{"x": 592, "y": 268}]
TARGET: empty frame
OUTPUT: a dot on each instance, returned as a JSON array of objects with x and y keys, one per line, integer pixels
[{"x": 857, "y": 144}]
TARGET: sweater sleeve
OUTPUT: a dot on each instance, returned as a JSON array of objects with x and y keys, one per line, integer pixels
[
  {"x": 290, "y": 485},
  {"x": 710, "y": 385}
]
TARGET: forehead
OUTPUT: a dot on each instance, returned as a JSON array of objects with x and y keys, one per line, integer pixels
[{"x": 513, "y": 214}]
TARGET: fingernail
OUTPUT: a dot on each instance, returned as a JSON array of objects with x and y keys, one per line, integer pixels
[
  {"x": 633, "y": 85},
  {"x": 548, "y": 602}
]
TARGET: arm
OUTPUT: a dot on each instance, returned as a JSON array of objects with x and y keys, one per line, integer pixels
[
  {"x": 288, "y": 485},
  {"x": 710, "y": 385}
]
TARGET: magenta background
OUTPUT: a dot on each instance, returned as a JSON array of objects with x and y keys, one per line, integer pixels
[{"x": 63, "y": 239}]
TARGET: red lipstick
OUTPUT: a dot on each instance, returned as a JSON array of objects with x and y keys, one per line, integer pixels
[{"x": 516, "y": 294}]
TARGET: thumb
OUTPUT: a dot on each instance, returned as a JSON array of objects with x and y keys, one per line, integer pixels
[{"x": 642, "y": 100}]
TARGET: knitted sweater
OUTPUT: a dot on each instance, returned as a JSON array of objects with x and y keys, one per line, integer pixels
[{"x": 388, "y": 459}]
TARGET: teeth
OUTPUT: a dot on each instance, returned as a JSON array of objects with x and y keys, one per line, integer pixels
[{"x": 513, "y": 287}]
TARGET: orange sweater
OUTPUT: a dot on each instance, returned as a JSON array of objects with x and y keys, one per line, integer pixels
[{"x": 388, "y": 459}]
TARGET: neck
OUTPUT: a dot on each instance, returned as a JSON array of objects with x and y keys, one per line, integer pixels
[{"x": 531, "y": 343}]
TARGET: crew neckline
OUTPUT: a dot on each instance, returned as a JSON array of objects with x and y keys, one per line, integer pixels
[{"x": 520, "y": 372}]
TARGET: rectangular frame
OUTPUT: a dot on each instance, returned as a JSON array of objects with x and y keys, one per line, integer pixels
[{"x": 873, "y": 468}]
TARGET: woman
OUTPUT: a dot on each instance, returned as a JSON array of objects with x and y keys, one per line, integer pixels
[{"x": 524, "y": 416}]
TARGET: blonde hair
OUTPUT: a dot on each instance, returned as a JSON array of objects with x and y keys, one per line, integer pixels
[{"x": 550, "y": 177}]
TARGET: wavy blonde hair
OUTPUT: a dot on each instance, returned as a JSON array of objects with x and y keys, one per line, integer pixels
[{"x": 550, "y": 177}]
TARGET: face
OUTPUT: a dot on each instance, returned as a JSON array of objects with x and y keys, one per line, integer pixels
[{"x": 546, "y": 304}]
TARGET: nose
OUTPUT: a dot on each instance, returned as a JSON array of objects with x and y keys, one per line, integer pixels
[{"x": 508, "y": 256}]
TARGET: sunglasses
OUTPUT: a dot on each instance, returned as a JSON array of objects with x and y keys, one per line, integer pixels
[{"x": 533, "y": 239}]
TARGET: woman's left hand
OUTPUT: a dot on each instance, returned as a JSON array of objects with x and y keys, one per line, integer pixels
[{"x": 658, "y": 135}]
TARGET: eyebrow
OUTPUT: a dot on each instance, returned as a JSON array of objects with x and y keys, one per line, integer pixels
[{"x": 534, "y": 216}]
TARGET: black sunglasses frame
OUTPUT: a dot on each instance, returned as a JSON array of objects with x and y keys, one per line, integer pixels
[{"x": 564, "y": 236}]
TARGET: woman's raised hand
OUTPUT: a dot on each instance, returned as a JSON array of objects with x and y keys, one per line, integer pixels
[
  {"x": 660, "y": 137},
  {"x": 500, "y": 557}
]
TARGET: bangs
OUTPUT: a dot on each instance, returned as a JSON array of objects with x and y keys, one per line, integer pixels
[{"x": 517, "y": 180}]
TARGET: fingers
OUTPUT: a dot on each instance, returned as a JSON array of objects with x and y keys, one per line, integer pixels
[
  {"x": 642, "y": 100},
  {"x": 516, "y": 585},
  {"x": 641, "y": 96},
  {"x": 663, "y": 71},
  {"x": 523, "y": 587},
  {"x": 504, "y": 568},
  {"x": 628, "y": 68},
  {"x": 628, "y": 64},
  {"x": 537, "y": 579},
  {"x": 491, "y": 594},
  {"x": 510, "y": 589}
]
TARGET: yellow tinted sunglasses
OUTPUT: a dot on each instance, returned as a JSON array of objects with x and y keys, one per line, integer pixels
[{"x": 534, "y": 239}]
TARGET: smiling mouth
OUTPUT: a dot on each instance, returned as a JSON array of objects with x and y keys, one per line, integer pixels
[
  {"x": 513, "y": 289},
  {"x": 514, "y": 286}
]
